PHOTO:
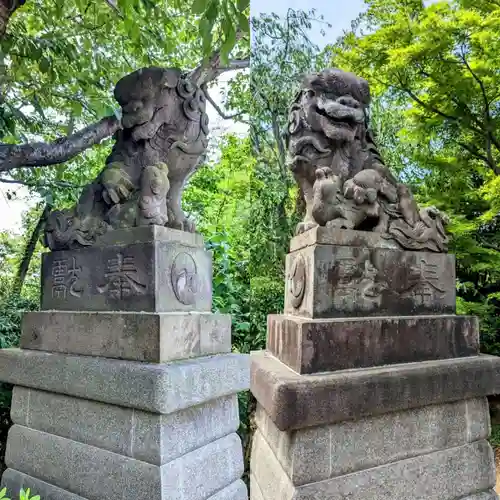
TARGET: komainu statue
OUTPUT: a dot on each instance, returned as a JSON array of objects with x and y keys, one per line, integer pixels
[
  {"x": 343, "y": 177},
  {"x": 164, "y": 133}
]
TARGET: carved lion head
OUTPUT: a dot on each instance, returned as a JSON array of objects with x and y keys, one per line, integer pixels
[{"x": 153, "y": 97}]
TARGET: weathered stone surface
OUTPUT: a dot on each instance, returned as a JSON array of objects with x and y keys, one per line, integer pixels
[
  {"x": 164, "y": 388},
  {"x": 255, "y": 491},
  {"x": 485, "y": 495},
  {"x": 322, "y": 235},
  {"x": 151, "y": 337},
  {"x": 341, "y": 173},
  {"x": 342, "y": 281},
  {"x": 321, "y": 345},
  {"x": 318, "y": 453},
  {"x": 444, "y": 475},
  {"x": 153, "y": 438},
  {"x": 203, "y": 472},
  {"x": 160, "y": 137},
  {"x": 149, "y": 234},
  {"x": 14, "y": 481},
  {"x": 162, "y": 276},
  {"x": 95, "y": 474},
  {"x": 296, "y": 401},
  {"x": 235, "y": 491}
]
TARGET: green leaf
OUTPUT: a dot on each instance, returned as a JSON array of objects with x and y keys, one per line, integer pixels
[
  {"x": 243, "y": 327},
  {"x": 243, "y": 5},
  {"x": 198, "y": 6},
  {"x": 212, "y": 10},
  {"x": 228, "y": 44},
  {"x": 44, "y": 65},
  {"x": 244, "y": 23}
]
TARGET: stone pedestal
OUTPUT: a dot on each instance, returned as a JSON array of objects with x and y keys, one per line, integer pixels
[
  {"x": 370, "y": 386},
  {"x": 125, "y": 384}
]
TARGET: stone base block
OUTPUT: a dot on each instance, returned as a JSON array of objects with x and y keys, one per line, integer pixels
[
  {"x": 319, "y": 453},
  {"x": 328, "y": 281},
  {"x": 156, "y": 388},
  {"x": 94, "y": 473},
  {"x": 323, "y": 345},
  {"x": 448, "y": 474},
  {"x": 296, "y": 401},
  {"x": 153, "y": 438},
  {"x": 235, "y": 491},
  {"x": 322, "y": 235},
  {"x": 150, "y": 337},
  {"x": 153, "y": 270}
]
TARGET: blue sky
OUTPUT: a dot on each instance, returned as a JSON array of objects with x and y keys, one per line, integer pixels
[{"x": 339, "y": 13}]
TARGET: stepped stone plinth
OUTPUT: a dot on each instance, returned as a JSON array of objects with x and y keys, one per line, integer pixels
[
  {"x": 125, "y": 384},
  {"x": 358, "y": 401}
]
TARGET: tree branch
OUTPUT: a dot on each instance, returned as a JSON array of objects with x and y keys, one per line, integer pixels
[
  {"x": 7, "y": 8},
  {"x": 210, "y": 69},
  {"x": 219, "y": 109},
  {"x": 29, "y": 250},
  {"x": 208, "y": 72},
  {"x": 54, "y": 184},
  {"x": 487, "y": 114},
  {"x": 40, "y": 154},
  {"x": 475, "y": 152}
]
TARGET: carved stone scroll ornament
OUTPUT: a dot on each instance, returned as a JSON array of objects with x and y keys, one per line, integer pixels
[
  {"x": 184, "y": 277},
  {"x": 164, "y": 133},
  {"x": 342, "y": 176},
  {"x": 297, "y": 280}
]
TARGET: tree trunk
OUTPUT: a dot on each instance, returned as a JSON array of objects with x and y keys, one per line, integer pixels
[
  {"x": 7, "y": 8},
  {"x": 29, "y": 251}
]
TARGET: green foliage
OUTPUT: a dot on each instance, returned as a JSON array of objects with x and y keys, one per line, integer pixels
[
  {"x": 23, "y": 495},
  {"x": 495, "y": 436},
  {"x": 434, "y": 73}
]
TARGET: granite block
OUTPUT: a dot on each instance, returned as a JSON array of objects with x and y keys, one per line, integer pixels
[
  {"x": 235, "y": 491},
  {"x": 296, "y": 401},
  {"x": 149, "y": 234},
  {"x": 151, "y": 337},
  {"x": 255, "y": 491},
  {"x": 159, "y": 276},
  {"x": 344, "y": 281},
  {"x": 321, "y": 345},
  {"x": 94, "y": 473},
  {"x": 485, "y": 495},
  {"x": 319, "y": 453},
  {"x": 157, "y": 388},
  {"x": 341, "y": 237},
  {"x": 14, "y": 480},
  {"x": 204, "y": 472},
  {"x": 444, "y": 475},
  {"x": 152, "y": 438}
]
